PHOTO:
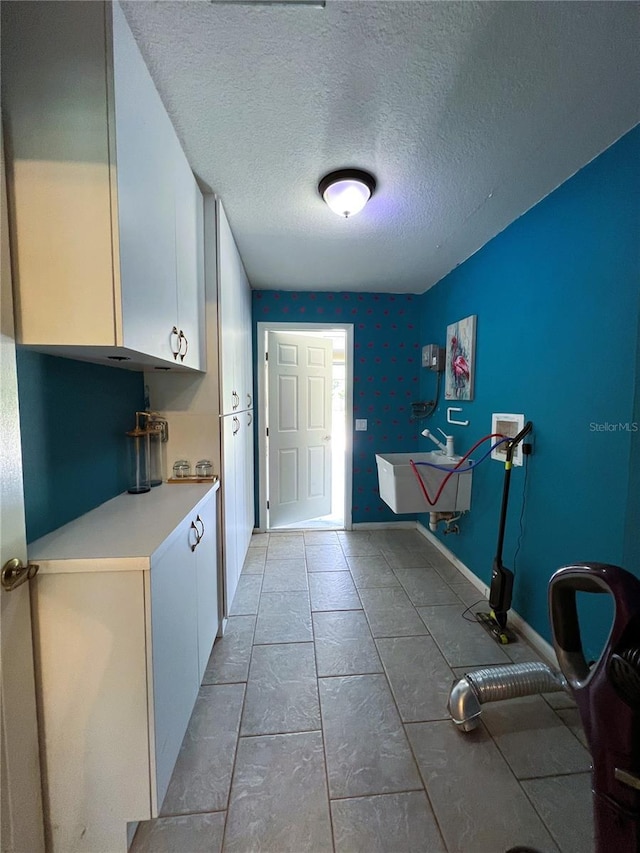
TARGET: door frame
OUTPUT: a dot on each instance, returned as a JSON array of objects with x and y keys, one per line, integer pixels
[
  {"x": 21, "y": 806},
  {"x": 303, "y": 328}
]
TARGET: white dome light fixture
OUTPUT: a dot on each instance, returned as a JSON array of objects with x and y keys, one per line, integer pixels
[{"x": 347, "y": 190}]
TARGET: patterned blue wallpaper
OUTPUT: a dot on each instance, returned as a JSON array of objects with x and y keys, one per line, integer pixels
[{"x": 386, "y": 374}]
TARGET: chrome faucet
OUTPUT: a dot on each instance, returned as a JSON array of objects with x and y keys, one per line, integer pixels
[{"x": 447, "y": 449}]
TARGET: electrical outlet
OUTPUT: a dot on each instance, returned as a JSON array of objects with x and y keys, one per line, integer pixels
[{"x": 361, "y": 424}]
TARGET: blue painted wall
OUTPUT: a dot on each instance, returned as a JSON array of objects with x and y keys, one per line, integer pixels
[
  {"x": 632, "y": 532},
  {"x": 386, "y": 374},
  {"x": 556, "y": 297},
  {"x": 73, "y": 418}
]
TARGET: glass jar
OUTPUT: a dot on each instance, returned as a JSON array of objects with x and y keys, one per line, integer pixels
[
  {"x": 182, "y": 468},
  {"x": 138, "y": 461},
  {"x": 204, "y": 468},
  {"x": 156, "y": 473}
]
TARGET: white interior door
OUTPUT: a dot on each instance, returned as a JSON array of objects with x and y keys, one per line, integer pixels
[
  {"x": 22, "y": 825},
  {"x": 299, "y": 385}
]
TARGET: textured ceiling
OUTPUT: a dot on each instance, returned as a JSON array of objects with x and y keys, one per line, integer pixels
[{"x": 467, "y": 113}]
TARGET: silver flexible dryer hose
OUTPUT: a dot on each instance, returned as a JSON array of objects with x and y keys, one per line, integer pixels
[{"x": 495, "y": 683}]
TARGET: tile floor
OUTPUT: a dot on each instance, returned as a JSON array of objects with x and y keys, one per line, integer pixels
[{"x": 321, "y": 723}]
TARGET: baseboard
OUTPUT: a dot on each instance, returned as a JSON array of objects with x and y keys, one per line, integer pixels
[{"x": 542, "y": 647}]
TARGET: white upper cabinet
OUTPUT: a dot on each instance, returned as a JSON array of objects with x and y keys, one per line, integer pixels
[
  {"x": 106, "y": 214},
  {"x": 189, "y": 231},
  {"x": 234, "y": 331},
  {"x": 145, "y": 159}
]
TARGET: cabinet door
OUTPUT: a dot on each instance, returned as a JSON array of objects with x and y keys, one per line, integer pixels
[
  {"x": 54, "y": 110},
  {"x": 206, "y": 554},
  {"x": 241, "y": 489},
  {"x": 245, "y": 355},
  {"x": 249, "y": 508},
  {"x": 244, "y": 485},
  {"x": 189, "y": 263},
  {"x": 229, "y": 508},
  {"x": 234, "y": 298},
  {"x": 145, "y": 159},
  {"x": 228, "y": 313},
  {"x": 174, "y": 647}
]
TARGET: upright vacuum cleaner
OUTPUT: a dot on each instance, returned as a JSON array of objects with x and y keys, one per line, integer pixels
[
  {"x": 607, "y": 694},
  {"x": 501, "y": 588}
]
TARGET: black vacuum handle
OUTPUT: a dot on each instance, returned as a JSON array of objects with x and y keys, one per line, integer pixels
[
  {"x": 594, "y": 578},
  {"x": 515, "y": 441},
  {"x": 511, "y": 446},
  {"x": 565, "y": 625}
]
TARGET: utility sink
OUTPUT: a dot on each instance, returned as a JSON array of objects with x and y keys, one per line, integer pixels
[{"x": 400, "y": 489}]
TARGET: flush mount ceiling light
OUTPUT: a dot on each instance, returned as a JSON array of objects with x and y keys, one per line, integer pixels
[
  {"x": 316, "y": 4},
  {"x": 347, "y": 190}
]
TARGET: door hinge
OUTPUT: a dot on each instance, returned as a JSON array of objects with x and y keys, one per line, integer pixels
[
  {"x": 267, "y": 504},
  {"x": 266, "y": 356},
  {"x": 267, "y": 431}
]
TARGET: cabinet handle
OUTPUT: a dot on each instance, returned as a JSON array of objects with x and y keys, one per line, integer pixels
[
  {"x": 183, "y": 337},
  {"x": 249, "y": 401},
  {"x": 237, "y": 422},
  {"x": 198, "y": 519},
  {"x": 175, "y": 352},
  {"x": 250, "y": 417},
  {"x": 198, "y": 537}
]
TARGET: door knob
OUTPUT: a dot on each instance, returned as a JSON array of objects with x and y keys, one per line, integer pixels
[
  {"x": 14, "y": 573},
  {"x": 326, "y": 438}
]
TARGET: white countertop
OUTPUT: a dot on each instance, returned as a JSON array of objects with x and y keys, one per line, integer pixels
[{"x": 122, "y": 534}]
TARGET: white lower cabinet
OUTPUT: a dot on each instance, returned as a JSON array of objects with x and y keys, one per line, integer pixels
[
  {"x": 231, "y": 516},
  {"x": 237, "y": 496},
  {"x": 123, "y": 628},
  {"x": 174, "y": 651},
  {"x": 206, "y": 587},
  {"x": 246, "y": 419}
]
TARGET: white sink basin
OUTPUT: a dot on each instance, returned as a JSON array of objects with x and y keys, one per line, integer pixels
[{"x": 400, "y": 489}]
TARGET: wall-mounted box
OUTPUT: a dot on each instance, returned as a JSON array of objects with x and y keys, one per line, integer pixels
[
  {"x": 507, "y": 424},
  {"x": 433, "y": 357}
]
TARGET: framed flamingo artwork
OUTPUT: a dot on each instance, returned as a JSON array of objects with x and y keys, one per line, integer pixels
[{"x": 459, "y": 370}]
